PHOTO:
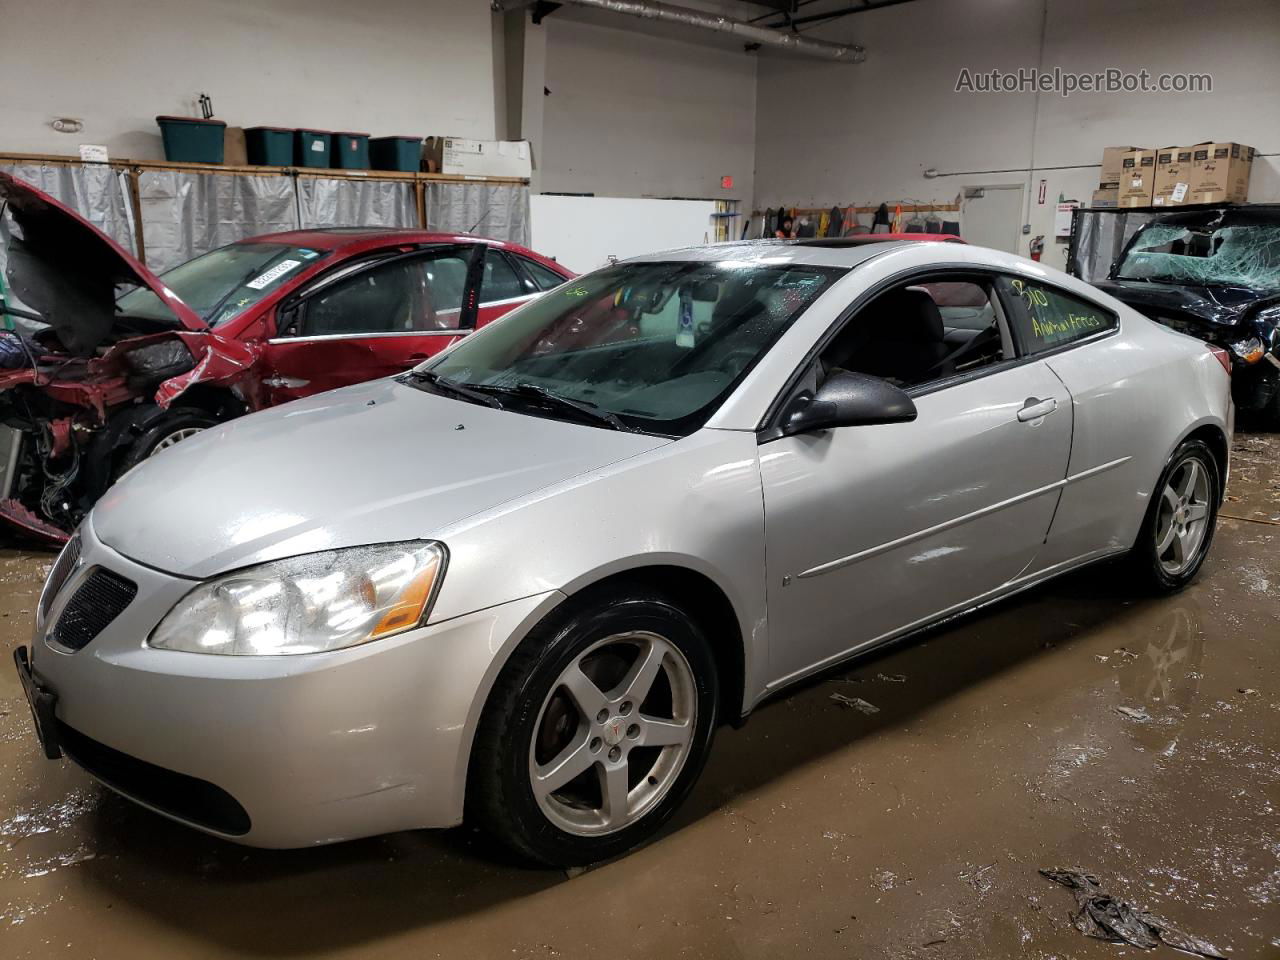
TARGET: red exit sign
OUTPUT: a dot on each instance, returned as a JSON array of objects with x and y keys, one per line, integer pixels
[{"x": 726, "y": 183}]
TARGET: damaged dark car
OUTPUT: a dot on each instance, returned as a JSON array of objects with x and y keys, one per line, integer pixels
[{"x": 1215, "y": 275}]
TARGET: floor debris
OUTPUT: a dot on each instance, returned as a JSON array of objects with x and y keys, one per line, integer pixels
[
  {"x": 1134, "y": 713},
  {"x": 1102, "y": 916},
  {"x": 855, "y": 703}
]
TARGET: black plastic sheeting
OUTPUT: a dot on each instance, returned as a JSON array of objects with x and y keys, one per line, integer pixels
[{"x": 1103, "y": 916}]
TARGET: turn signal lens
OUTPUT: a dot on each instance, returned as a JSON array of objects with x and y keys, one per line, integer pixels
[{"x": 1250, "y": 351}]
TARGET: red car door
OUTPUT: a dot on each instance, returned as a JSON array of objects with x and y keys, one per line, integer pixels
[{"x": 371, "y": 320}]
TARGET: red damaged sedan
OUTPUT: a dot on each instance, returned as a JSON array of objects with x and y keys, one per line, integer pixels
[{"x": 106, "y": 380}]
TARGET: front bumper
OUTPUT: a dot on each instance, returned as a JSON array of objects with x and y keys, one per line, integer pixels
[{"x": 313, "y": 749}]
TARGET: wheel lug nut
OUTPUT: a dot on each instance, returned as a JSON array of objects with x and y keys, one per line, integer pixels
[
  {"x": 615, "y": 753},
  {"x": 625, "y": 708},
  {"x": 602, "y": 716},
  {"x": 633, "y": 731},
  {"x": 595, "y": 744}
]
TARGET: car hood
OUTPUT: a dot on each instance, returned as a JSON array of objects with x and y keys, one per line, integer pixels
[
  {"x": 66, "y": 270},
  {"x": 1188, "y": 305},
  {"x": 374, "y": 463}
]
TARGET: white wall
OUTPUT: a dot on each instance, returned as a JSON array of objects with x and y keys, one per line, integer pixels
[
  {"x": 584, "y": 233},
  {"x": 837, "y": 133},
  {"x": 635, "y": 115},
  {"x": 414, "y": 67}
]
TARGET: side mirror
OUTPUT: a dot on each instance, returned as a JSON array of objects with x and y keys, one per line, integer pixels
[
  {"x": 287, "y": 321},
  {"x": 849, "y": 400}
]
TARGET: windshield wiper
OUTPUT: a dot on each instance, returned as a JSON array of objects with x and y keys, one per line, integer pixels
[
  {"x": 445, "y": 385},
  {"x": 534, "y": 392}
]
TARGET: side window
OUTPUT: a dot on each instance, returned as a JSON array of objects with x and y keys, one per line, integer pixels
[
  {"x": 500, "y": 280},
  {"x": 1043, "y": 318},
  {"x": 920, "y": 332},
  {"x": 543, "y": 277},
  {"x": 403, "y": 296}
]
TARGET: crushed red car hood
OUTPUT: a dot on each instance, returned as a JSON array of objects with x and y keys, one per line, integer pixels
[{"x": 67, "y": 270}]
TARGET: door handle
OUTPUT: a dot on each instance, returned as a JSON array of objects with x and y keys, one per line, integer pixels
[{"x": 1034, "y": 409}]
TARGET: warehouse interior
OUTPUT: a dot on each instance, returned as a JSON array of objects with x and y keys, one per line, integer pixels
[{"x": 904, "y": 803}]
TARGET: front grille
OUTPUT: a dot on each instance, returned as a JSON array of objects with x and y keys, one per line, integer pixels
[
  {"x": 99, "y": 599},
  {"x": 187, "y": 798},
  {"x": 58, "y": 574}
]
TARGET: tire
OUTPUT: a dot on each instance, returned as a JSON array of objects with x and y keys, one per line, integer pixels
[
  {"x": 1165, "y": 565},
  {"x": 171, "y": 427},
  {"x": 532, "y": 722}
]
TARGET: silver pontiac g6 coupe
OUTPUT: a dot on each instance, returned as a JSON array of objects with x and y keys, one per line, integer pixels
[{"x": 523, "y": 583}]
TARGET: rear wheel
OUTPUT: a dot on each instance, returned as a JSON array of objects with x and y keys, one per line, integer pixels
[
  {"x": 596, "y": 730},
  {"x": 1180, "y": 520}
]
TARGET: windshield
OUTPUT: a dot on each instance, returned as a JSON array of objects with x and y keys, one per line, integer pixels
[
  {"x": 223, "y": 283},
  {"x": 657, "y": 346},
  {"x": 1245, "y": 255}
]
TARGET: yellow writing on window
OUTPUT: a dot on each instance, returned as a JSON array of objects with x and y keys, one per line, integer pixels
[{"x": 1051, "y": 328}]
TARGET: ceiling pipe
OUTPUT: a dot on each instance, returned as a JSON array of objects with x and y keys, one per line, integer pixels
[{"x": 747, "y": 32}]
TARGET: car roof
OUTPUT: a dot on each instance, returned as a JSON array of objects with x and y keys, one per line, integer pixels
[
  {"x": 338, "y": 238},
  {"x": 858, "y": 238},
  {"x": 776, "y": 252}
]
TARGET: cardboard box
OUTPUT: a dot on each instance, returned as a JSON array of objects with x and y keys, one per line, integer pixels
[
  {"x": 479, "y": 158},
  {"x": 1220, "y": 173},
  {"x": 1105, "y": 199},
  {"x": 1137, "y": 178},
  {"x": 1112, "y": 165},
  {"x": 1173, "y": 177}
]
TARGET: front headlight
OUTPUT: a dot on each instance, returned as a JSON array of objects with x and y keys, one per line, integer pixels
[{"x": 308, "y": 604}]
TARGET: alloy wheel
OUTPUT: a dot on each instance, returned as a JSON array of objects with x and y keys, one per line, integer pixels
[
  {"x": 613, "y": 733},
  {"x": 176, "y": 437},
  {"x": 1183, "y": 520}
]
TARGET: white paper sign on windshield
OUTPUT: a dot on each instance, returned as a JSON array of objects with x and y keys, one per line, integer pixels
[{"x": 275, "y": 273}]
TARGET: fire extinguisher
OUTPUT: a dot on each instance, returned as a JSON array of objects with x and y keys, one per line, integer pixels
[{"x": 1037, "y": 247}]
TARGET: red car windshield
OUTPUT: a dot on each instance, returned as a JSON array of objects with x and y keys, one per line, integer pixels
[{"x": 222, "y": 284}]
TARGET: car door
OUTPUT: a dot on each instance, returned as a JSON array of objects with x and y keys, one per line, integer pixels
[
  {"x": 1104, "y": 501},
  {"x": 369, "y": 320},
  {"x": 871, "y": 530}
]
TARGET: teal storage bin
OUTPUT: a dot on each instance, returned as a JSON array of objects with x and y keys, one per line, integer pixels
[
  {"x": 191, "y": 139},
  {"x": 396, "y": 153},
  {"x": 351, "y": 151},
  {"x": 312, "y": 148},
  {"x": 269, "y": 146}
]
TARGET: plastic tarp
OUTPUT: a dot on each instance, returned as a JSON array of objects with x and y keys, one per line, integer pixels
[
  {"x": 1100, "y": 238},
  {"x": 497, "y": 210},
  {"x": 347, "y": 203},
  {"x": 185, "y": 213},
  {"x": 96, "y": 192}
]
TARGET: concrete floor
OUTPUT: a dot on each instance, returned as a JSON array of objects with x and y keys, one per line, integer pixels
[{"x": 917, "y": 831}]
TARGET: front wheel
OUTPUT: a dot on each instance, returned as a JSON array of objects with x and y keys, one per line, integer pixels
[
  {"x": 1178, "y": 528},
  {"x": 168, "y": 430},
  {"x": 596, "y": 730}
]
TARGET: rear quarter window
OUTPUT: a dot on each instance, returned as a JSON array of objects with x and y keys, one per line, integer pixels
[{"x": 1044, "y": 318}]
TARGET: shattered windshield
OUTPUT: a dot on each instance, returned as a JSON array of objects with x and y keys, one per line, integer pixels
[
  {"x": 1246, "y": 255},
  {"x": 653, "y": 346},
  {"x": 223, "y": 283}
]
